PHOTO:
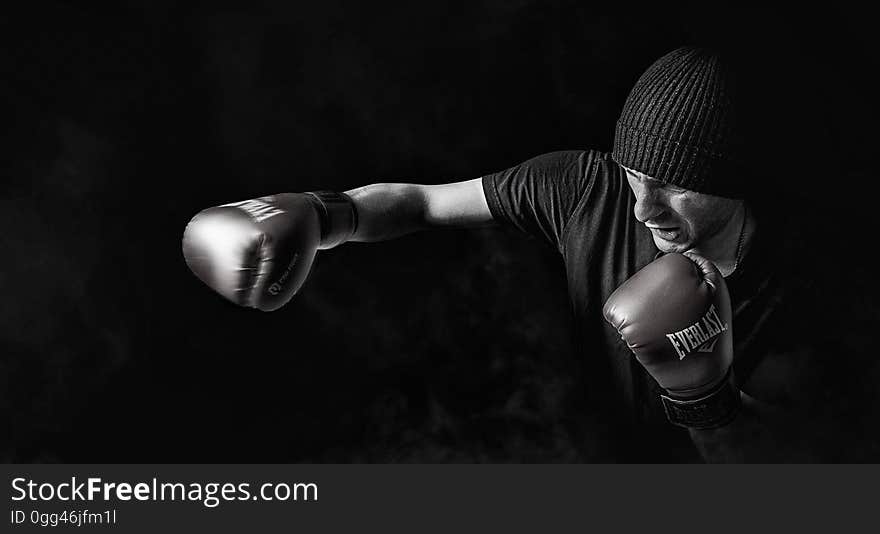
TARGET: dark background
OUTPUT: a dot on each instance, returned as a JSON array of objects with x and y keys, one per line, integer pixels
[{"x": 126, "y": 118}]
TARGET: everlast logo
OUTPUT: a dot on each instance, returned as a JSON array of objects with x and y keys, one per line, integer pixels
[
  {"x": 259, "y": 210},
  {"x": 700, "y": 336},
  {"x": 276, "y": 288}
]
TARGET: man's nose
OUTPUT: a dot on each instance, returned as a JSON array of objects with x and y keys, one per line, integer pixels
[{"x": 647, "y": 205}]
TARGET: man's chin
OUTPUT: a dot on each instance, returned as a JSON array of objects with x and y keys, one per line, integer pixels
[{"x": 668, "y": 247}]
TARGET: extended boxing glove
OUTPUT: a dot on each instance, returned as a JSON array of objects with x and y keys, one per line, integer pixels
[
  {"x": 257, "y": 253},
  {"x": 675, "y": 316}
]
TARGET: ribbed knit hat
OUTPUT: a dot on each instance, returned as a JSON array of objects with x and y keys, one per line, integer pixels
[{"x": 680, "y": 124}]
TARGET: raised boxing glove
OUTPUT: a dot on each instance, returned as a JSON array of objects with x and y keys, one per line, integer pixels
[
  {"x": 675, "y": 316},
  {"x": 258, "y": 253}
]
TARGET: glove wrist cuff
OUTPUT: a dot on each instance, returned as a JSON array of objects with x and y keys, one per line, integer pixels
[
  {"x": 715, "y": 409},
  {"x": 338, "y": 217}
]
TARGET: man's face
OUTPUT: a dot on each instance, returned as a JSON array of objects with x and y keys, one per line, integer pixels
[{"x": 679, "y": 219}]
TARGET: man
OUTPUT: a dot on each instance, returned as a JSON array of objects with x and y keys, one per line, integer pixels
[{"x": 677, "y": 181}]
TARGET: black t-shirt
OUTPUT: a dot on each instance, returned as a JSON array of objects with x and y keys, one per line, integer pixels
[{"x": 580, "y": 203}]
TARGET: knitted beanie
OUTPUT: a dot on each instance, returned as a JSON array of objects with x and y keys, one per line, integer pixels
[{"x": 680, "y": 124}]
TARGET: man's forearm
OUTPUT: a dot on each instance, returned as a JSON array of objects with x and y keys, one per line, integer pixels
[
  {"x": 386, "y": 211},
  {"x": 760, "y": 433}
]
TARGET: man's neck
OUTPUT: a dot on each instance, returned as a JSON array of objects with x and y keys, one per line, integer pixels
[{"x": 729, "y": 246}]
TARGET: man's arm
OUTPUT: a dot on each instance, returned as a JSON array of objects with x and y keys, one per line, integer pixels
[
  {"x": 776, "y": 422},
  {"x": 760, "y": 433},
  {"x": 258, "y": 252},
  {"x": 386, "y": 211}
]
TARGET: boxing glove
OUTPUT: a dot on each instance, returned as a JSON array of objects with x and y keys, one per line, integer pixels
[
  {"x": 675, "y": 316},
  {"x": 257, "y": 253}
]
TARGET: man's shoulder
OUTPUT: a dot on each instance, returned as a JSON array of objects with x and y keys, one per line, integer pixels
[
  {"x": 575, "y": 175},
  {"x": 545, "y": 193},
  {"x": 594, "y": 169},
  {"x": 568, "y": 160}
]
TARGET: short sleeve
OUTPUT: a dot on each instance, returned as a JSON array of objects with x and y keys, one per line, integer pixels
[{"x": 540, "y": 195}]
